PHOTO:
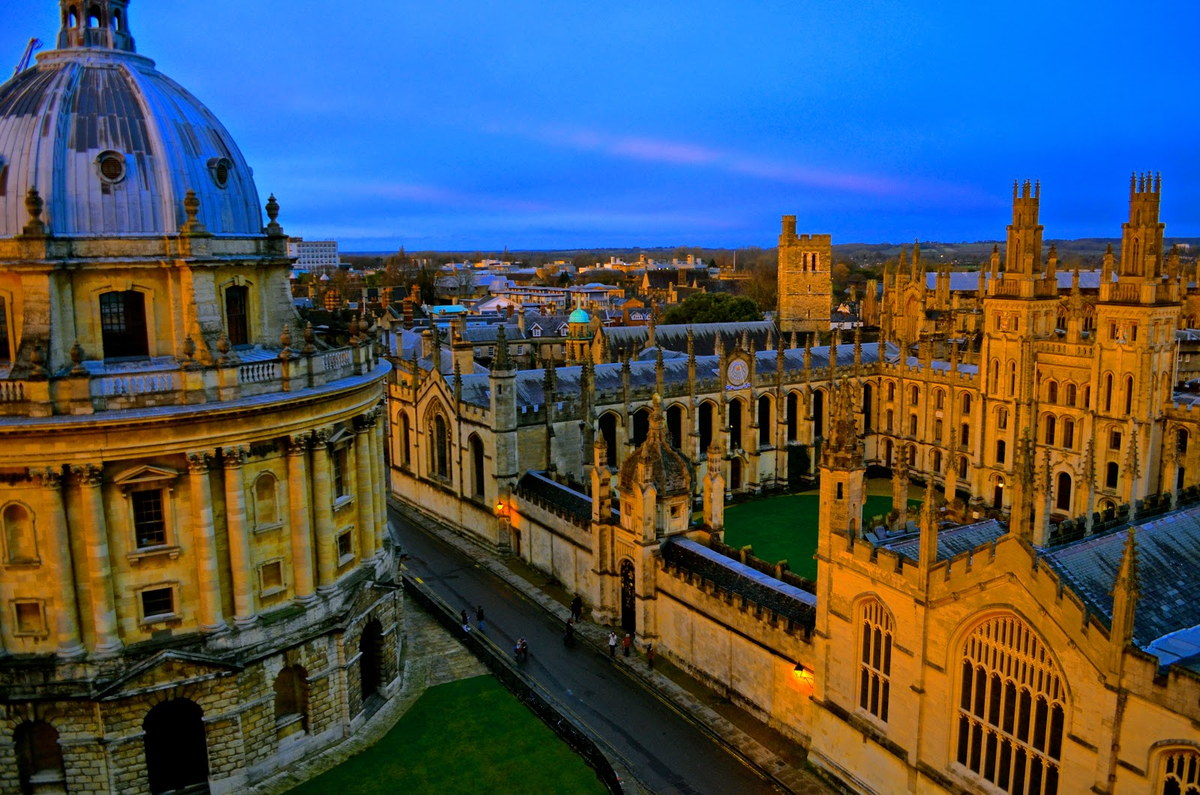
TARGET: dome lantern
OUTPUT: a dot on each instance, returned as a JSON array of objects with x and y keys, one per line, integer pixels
[{"x": 96, "y": 24}]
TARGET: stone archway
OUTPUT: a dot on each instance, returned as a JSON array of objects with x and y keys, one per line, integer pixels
[
  {"x": 370, "y": 661},
  {"x": 176, "y": 747}
]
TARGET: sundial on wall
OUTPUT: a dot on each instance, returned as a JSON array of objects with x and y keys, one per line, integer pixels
[{"x": 737, "y": 373}]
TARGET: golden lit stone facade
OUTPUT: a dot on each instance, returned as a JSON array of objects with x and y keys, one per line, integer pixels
[
  {"x": 196, "y": 585},
  {"x": 805, "y": 280}
]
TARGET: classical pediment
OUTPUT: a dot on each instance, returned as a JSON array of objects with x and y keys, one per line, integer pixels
[
  {"x": 145, "y": 474},
  {"x": 166, "y": 669}
]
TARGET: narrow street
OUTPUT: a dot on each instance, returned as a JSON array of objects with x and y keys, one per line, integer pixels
[{"x": 665, "y": 750}]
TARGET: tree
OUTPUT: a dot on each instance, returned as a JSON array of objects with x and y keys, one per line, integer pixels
[{"x": 713, "y": 308}]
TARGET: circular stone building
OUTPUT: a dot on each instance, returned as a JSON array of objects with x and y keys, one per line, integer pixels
[{"x": 196, "y": 585}]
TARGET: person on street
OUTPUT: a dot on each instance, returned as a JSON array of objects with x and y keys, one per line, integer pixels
[
  {"x": 521, "y": 650},
  {"x": 569, "y": 636},
  {"x": 650, "y": 655},
  {"x": 612, "y": 644},
  {"x": 466, "y": 622},
  {"x": 479, "y": 617},
  {"x": 627, "y": 644},
  {"x": 577, "y": 608}
]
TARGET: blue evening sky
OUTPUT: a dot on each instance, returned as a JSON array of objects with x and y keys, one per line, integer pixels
[{"x": 478, "y": 125}]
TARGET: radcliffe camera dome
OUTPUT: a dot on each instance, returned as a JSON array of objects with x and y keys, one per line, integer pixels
[{"x": 112, "y": 145}]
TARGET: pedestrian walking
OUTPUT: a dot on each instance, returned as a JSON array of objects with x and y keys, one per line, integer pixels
[
  {"x": 650, "y": 655},
  {"x": 612, "y": 644},
  {"x": 577, "y": 608},
  {"x": 479, "y": 617},
  {"x": 521, "y": 650},
  {"x": 466, "y": 623},
  {"x": 627, "y": 644}
]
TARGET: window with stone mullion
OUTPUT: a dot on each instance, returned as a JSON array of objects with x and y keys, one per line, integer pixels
[{"x": 875, "y": 666}]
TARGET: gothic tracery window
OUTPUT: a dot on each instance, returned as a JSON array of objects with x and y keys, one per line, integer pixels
[
  {"x": 875, "y": 668},
  {"x": 1012, "y": 708},
  {"x": 1180, "y": 773}
]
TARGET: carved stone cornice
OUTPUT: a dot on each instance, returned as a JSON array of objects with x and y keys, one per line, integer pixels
[
  {"x": 298, "y": 444},
  {"x": 50, "y": 478}
]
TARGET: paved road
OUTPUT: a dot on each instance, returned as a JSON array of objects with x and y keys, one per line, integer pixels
[{"x": 666, "y": 751}]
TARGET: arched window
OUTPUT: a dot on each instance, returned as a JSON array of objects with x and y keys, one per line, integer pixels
[
  {"x": 735, "y": 424},
  {"x": 793, "y": 410},
  {"x": 1012, "y": 378},
  {"x": 1181, "y": 440},
  {"x": 1112, "y": 475},
  {"x": 291, "y": 701},
  {"x": 995, "y": 379},
  {"x": 370, "y": 660},
  {"x": 962, "y": 466},
  {"x": 867, "y": 401},
  {"x": 939, "y": 399},
  {"x": 891, "y": 390},
  {"x": 1087, "y": 397},
  {"x": 1011, "y": 709},
  {"x": 707, "y": 420},
  {"x": 1063, "y": 497},
  {"x": 1052, "y": 392},
  {"x": 1070, "y": 401},
  {"x": 20, "y": 540},
  {"x": 475, "y": 447},
  {"x": 912, "y": 425},
  {"x": 764, "y": 421},
  {"x": 1050, "y": 428},
  {"x": 914, "y": 395},
  {"x": 39, "y": 757},
  {"x": 641, "y": 426},
  {"x": 1128, "y": 395},
  {"x": 937, "y": 460},
  {"x": 1180, "y": 773},
  {"x": 95, "y": 18},
  {"x": 675, "y": 426},
  {"x": 1001, "y": 418},
  {"x": 1068, "y": 433},
  {"x": 405, "y": 441},
  {"x": 887, "y": 459},
  {"x": 123, "y": 325},
  {"x": 1000, "y": 450},
  {"x": 1108, "y": 387},
  {"x": 266, "y": 500},
  {"x": 937, "y": 430},
  {"x": 73, "y": 17},
  {"x": 890, "y": 417},
  {"x": 966, "y": 403},
  {"x": 818, "y": 408},
  {"x": 236, "y": 300},
  {"x": 440, "y": 449},
  {"x": 875, "y": 659}
]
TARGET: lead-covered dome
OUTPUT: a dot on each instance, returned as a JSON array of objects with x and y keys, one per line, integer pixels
[{"x": 112, "y": 145}]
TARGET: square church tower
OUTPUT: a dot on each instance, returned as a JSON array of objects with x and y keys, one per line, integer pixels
[{"x": 805, "y": 281}]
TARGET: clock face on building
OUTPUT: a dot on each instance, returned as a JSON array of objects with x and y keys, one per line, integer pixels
[{"x": 737, "y": 372}]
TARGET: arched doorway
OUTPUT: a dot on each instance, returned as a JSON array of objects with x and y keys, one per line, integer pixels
[
  {"x": 370, "y": 661},
  {"x": 1062, "y": 500},
  {"x": 39, "y": 758},
  {"x": 735, "y": 474},
  {"x": 291, "y": 701},
  {"x": 628, "y": 598},
  {"x": 675, "y": 426},
  {"x": 998, "y": 494},
  {"x": 176, "y": 747}
]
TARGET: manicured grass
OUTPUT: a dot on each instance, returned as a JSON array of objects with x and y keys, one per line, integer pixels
[
  {"x": 785, "y": 527},
  {"x": 469, "y": 736}
]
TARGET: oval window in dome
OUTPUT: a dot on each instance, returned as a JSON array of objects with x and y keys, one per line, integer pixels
[
  {"x": 220, "y": 168},
  {"x": 112, "y": 166}
]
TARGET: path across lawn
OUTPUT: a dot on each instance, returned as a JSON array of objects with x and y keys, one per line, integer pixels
[
  {"x": 469, "y": 736},
  {"x": 785, "y": 527}
]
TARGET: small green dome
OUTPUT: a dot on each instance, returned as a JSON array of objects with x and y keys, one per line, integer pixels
[{"x": 579, "y": 316}]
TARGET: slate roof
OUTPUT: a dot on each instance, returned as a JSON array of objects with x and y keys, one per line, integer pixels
[
  {"x": 950, "y": 542},
  {"x": 968, "y": 281},
  {"x": 786, "y": 600},
  {"x": 704, "y": 336},
  {"x": 486, "y": 335},
  {"x": 1168, "y": 549},
  {"x": 555, "y": 494}
]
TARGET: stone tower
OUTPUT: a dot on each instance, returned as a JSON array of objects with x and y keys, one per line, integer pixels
[
  {"x": 97, "y": 23},
  {"x": 805, "y": 280},
  {"x": 843, "y": 476}
]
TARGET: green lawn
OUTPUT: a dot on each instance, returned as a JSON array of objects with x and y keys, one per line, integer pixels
[
  {"x": 785, "y": 527},
  {"x": 463, "y": 737}
]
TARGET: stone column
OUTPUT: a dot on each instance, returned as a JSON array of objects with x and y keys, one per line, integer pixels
[
  {"x": 323, "y": 513},
  {"x": 239, "y": 541},
  {"x": 379, "y": 477},
  {"x": 298, "y": 516},
  {"x": 95, "y": 534},
  {"x": 365, "y": 496},
  {"x": 62, "y": 570},
  {"x": 204, "y": 539}
]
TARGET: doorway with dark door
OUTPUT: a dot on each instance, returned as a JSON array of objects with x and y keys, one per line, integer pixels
[{"x": 628, "y": 598}]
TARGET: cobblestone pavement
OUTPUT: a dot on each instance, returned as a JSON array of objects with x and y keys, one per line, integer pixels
[
  {"x": 749, "y": 749},
  {"x": 430, "y": 656}
]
